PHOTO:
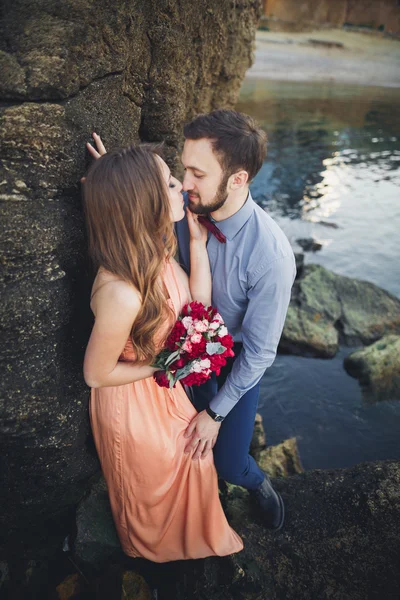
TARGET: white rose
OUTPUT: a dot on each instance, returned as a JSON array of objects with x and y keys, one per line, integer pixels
[
  {"x": 205, "y": 363},
  {"x": 196, "y": 367}
]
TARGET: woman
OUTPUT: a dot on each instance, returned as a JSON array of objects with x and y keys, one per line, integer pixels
[{"x": 165, "y": 505}]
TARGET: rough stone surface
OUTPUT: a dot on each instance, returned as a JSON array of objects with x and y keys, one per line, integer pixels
[
  {"x": 69, "y": 588},
  {"x": 340, "y": 541},
  {"x": 134, "y": 587},
  {"x": 258, "y": 441},
  {"x": 281, "y": 460},
  {"x": 378, "y": 368},
  {"x": 130, "y": 71},
  {"x": 96, "y": 540},
  {"x": 327, "y": 309}
]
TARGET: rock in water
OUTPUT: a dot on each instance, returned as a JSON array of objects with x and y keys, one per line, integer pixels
[
  {"x": 378, "y": 368},
  {"x": 309, "y": 244},
  {"x": 327, "y": 309}
]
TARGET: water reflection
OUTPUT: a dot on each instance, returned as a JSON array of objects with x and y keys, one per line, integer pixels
[
  {"x": 332, "y": 174},
  {"x": 333, "y": 162}
]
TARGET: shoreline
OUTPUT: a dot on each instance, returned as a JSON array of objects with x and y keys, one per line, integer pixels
[{"x": 326, "y": 56}]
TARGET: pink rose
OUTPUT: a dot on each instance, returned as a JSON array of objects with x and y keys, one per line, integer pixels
[
  {"x": 201, "y": 326},
  {"x": 196, "y": 338},
  {"x": 187, "y": 346},
  {"x": 187, "y": 322}
]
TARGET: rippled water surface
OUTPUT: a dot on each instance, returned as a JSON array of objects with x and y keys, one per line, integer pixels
[{"x": 332, "y": 174}]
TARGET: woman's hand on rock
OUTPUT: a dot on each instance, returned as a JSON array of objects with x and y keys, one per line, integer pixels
[
  {"x": 99, "y": 150},
  {"x": 95, "y": 152}
]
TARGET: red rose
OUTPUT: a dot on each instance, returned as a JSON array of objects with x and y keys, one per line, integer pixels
[
  {"x": 178, "y": 364},
  {"x": 217, "y": 361},
  {"x": 198, "y": 311},
  {"x": 226, "y": 340},
  {"x": 177, "y": 332},
  {"x": 161, "y": 378},
  {"x": 195, "y": 379},
  {"x": 198, "y": 349}
]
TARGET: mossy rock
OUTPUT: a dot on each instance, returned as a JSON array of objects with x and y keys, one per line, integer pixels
[
  {"x": 378, "y": 368},
  {"x": 328, "y": 309}
]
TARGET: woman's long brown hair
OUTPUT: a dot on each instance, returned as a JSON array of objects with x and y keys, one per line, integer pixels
[{"x": 131, "y": 233}]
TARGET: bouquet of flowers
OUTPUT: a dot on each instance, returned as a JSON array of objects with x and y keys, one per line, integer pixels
[{"x": 198, "y": 344}]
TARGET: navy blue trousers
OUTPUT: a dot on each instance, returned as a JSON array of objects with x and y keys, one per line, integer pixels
[{"x": 231, "y": 451}]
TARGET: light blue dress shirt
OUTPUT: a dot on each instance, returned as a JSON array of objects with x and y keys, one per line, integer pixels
[{"x": 252, "y": 277}]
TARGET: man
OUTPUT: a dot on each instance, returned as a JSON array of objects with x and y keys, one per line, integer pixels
[
  {"x": 252, "y": 275},
  {"x": 253, "y": 270}
]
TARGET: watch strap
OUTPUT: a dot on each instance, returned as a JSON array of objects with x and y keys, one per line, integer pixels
[{"x": 215, "y": 416}]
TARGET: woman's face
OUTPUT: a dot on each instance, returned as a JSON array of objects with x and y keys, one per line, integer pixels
[{"x": 174, "y": 187}]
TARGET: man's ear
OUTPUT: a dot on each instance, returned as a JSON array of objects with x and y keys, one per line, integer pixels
[{"x": 238, "y": 180}]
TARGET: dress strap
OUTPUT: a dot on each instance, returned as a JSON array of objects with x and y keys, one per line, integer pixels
[{"x": 176, "y": 286}]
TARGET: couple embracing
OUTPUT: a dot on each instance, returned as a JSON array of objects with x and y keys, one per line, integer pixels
[{"x": 161, "y": 452}]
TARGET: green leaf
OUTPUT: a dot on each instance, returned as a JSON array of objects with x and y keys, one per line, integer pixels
[
  {"x": 181, "y": 373},
  {"x": 214, "y": 348},
  {"x": 171, "y": 358},
  {"x": 170, "y": 378}
]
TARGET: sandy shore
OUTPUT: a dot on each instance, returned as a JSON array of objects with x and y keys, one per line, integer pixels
[{"x": 332, "y": 55}]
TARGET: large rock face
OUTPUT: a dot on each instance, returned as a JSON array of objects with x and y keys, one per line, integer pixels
[{"x": 130, "y": 70}]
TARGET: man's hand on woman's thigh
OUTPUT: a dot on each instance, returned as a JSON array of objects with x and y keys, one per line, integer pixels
[{"x": 203, "y": 433}]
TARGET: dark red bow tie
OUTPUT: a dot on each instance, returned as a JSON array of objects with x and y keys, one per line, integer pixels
[{"x": 212, "y": 228}]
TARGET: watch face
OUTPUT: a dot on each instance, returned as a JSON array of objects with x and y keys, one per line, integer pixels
[{"x": 218, "y": 418}]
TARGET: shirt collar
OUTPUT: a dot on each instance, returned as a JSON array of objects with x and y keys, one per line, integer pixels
[{"x": 232, "y": 225}]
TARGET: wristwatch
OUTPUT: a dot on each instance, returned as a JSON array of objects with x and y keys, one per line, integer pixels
[{"x": 214, "y": 415}]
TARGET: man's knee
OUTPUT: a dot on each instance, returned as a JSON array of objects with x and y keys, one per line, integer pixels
[{"x": 230, "y": 472}]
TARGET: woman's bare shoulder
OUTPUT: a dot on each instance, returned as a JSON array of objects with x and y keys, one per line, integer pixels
[{"x": 110, "y": 289}]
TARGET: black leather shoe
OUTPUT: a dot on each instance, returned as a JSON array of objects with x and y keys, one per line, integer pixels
[{"x": 270, "y": 504}]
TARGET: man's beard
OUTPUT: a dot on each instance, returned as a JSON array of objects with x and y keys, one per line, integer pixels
[{"x": 217, "y": 202}]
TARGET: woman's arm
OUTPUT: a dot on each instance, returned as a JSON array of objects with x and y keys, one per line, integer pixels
[
  {"x": 116, "y": 307},
  {"x": 200, "y": 272}
]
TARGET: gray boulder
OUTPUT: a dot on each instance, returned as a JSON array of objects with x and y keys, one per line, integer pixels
[{"x": 327, "y": 309}]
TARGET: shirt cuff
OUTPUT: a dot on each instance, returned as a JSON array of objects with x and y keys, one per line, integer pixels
[{"x": 226, "y": 398}]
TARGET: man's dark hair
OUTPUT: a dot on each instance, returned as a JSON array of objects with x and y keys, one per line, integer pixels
[{"x": 237, "y": 140}]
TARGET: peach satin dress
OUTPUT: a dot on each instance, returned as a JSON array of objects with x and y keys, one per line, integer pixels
[{"x": 165, "y": 505}]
